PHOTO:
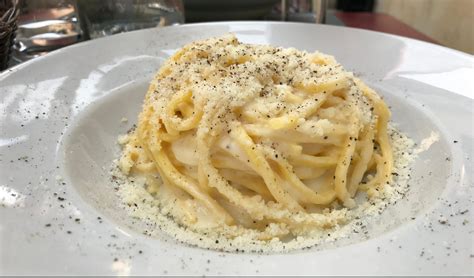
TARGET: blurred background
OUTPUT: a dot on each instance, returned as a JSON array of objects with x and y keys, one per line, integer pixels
[{"x": 31, "y": 28}]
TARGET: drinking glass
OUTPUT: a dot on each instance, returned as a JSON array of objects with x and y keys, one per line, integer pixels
[
  {"x": 45, "y": 25},
  {"x": 108, "y": 17},
  {"x": 304, "y": 10}
]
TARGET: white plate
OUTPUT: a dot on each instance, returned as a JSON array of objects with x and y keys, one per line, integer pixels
[{"x": 60, "y": 115}]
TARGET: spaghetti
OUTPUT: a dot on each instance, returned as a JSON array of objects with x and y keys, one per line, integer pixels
[{"x": 257, "y": 140}]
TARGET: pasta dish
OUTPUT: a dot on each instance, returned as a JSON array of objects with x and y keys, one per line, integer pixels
[{"x": 258, "y": 141}]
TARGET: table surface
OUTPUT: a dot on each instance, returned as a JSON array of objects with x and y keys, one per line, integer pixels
[{"x": 382, "y": 23}]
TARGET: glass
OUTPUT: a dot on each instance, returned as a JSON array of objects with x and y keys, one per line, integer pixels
[
  {"x": 304, "y": 10},
  {"x": 108, "y": 17},
  {"x": 45, "y": 25}
]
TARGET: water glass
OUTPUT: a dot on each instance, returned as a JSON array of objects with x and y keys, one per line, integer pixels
[
  {"x": 108, "y": 17},
  {"x": 45, "y": 25}
]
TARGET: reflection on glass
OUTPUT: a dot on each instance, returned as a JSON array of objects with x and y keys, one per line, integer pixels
[
  {"x": 45, "y": 25},
  {"x": 108, "y": 17}
]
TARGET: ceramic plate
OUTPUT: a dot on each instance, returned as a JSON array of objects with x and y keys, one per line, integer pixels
[{"x": 60, "y": 116}]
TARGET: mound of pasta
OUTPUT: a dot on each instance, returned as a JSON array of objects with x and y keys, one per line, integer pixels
[{"x": 257, "y": 140}]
